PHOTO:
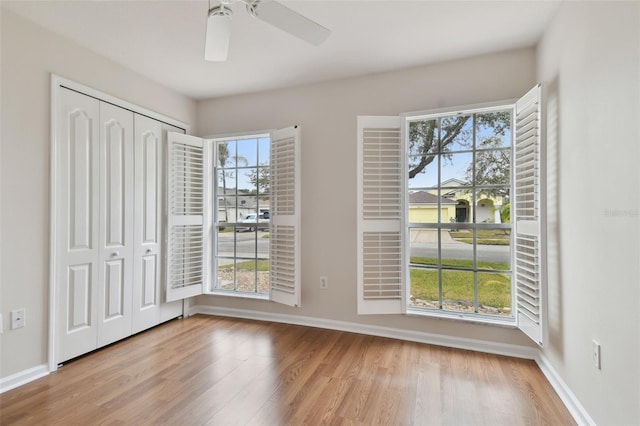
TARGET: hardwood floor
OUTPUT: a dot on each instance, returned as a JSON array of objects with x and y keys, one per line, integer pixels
[{"x": 219, "y": 371}]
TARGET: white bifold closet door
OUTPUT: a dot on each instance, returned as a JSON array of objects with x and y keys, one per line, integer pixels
[
  {"x": 115, "y": 268},
  {"x": 109, "y": 222},
  {"x": 77, "y": 247}
]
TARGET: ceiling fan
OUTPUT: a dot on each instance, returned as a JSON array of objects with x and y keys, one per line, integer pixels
[{"x": 269, "y": 11}]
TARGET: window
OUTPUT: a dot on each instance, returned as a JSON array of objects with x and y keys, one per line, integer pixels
[
  {"x": 458, "y": 199},
  {"x": 449, "y": 214},
  {"x": 241, "y": 254},
  {"x": 218, "y": 246}
]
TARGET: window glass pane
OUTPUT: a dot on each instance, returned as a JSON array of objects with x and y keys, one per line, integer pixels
[
  {"x": 242, "y": 209},
  {"x": 246, "y": 242},
  {"x": 423, "y": 172},
  {"x": 226, "y": 208},
  {"x": 247, "y": 153},
  {"x": 246, "y": 275},
  {"x": 226, "y": 182},
  {"x": 493, "y": 129},
  {"x": 494, "y": 293},
  {"x": 424, "y": 206},
  {"x": 458, "y": 193},
  {"x": 226, "y": 274},
  {"x": 226, "y": 241},
  {"x": 263, "y": 183},
  {"x": 485, "y": 209},
  {"x": 458, "y": 291},
  {"x": 492, "y": 167},
  {"x": 456, "y": 133},
  {"x": 247, "y": 182},
  {"x": 493, "y": 248},
  {"x": 264, "y": 152},
  {"x": 423, "y": 137},
  {"x": 456, "y": 169},
  {"x": 424, "y": 288},
  {"x": 457, "y": 248},
  {"x": 492, "y": 205},
  {"x": 262, "y": 242},
  {"x": 226, "y": 154}
]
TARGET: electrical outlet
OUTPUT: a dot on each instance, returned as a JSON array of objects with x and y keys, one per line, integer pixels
[
  {"x": 324, "y": 283},
  {"x": 17, "y": 319},
  {"x": 596, "y": 354}
]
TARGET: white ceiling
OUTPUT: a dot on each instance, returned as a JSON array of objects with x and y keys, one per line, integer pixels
[{"x": 164, "y": 39}]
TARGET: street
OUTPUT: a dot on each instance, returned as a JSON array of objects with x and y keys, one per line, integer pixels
[
  {"x": 246, "y": 247},
  {"x": 486, "y": 253}
]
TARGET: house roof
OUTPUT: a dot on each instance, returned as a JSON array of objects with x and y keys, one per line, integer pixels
[
  {"x": 423, "y": 197},
  {"x": 452, "y": 182}
]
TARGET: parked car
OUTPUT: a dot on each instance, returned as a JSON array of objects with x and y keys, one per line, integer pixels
[{"x": 254, "y": 219}]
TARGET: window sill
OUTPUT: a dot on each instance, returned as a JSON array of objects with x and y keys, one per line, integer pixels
[
  {"x": 506, "y": 322},
  {"x": 238, "y": 294}
]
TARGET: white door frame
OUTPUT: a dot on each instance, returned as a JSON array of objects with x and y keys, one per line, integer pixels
[{"x": 58, "y": 82}]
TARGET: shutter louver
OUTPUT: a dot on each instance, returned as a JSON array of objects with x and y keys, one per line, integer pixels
[
  {"x": 381, "y": 265},
  {"x": 527, "y": 210},
  {"x": 284, "y": 233},
  {"x": 187, "y": 188}
]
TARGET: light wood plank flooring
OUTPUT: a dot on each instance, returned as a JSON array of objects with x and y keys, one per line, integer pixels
[{"x": 219, "y": 371}]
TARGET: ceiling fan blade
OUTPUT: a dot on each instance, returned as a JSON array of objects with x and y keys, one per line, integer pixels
[
  {"x": 288, "y": 20},
  {"x": 216, "y": 45}
]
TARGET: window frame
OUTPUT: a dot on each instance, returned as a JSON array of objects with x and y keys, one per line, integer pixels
[
  {"x": 188, "y": 260},
  {"x": 379, "y": 175},
  {"x": 407, "y": 118},
  {"x": 214, "y": 223}
]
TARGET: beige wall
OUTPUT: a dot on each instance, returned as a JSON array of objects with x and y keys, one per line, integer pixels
[
  {"x": 327, "y": 113},
  {"x": 590, "y": 60},
  {"x": 28, "y": 55}
]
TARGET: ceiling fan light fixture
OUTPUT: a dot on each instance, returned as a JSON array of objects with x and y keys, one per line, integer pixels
[
  {"x": 288, "y": 20},
  {"x": 216, "y": 45}
]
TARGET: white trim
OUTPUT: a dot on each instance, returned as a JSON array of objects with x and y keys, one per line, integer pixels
[
  {"x": 517, "y": 351},
  {"x": 238, "y": 135},
  {"x": 23, "y": 377},
  {"x": 57, "y": 82},
  {"x": 462, "y": 110},
  {"x": 53, "y": 236},
  {"x": 567, "y": 397}
]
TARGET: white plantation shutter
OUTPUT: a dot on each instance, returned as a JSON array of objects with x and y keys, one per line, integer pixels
[
  {"x": 527, "y": 215},
  {"x": 187, "y": 211},
  {"x": 381, "y": 258},
  {"x": 285, "y": 216}
]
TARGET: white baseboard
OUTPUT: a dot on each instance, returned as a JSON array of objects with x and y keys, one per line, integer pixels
[
  {"x": 374, "y": 330},
  {"x": 568, "y": 398},
  {"x": 22, "y": 377}
]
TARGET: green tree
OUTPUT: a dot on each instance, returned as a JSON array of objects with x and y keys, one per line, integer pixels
[
  {"x": 223, "y": 158},
  {"x": 430, "y": 137},
  {"x": 259, "y": 179},
  {"x": 492, "y": 167}
]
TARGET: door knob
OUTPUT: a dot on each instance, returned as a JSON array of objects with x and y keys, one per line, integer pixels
[
  {"x": 115, "y": 254},
  {"x": 148, "y": 251}
]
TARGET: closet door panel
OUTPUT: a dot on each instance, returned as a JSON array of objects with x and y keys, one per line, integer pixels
[
  {"x": 116, "y": 224},
  {"x": 77, "y": 203},
  {"x": 148, "y": 217}
]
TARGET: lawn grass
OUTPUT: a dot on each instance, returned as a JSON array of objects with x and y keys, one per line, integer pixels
[
  {"x": 493, "y": 288},
  {"x": 247, "y": 265},
  {"x": 489, "y": 237},
  {"x": 459, "y": 263}
]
